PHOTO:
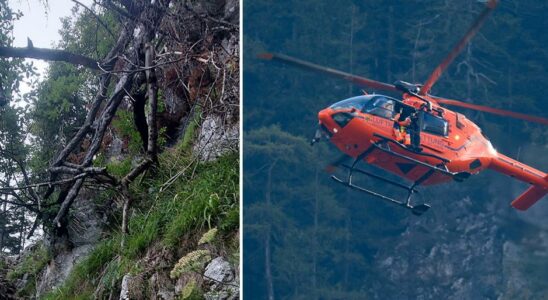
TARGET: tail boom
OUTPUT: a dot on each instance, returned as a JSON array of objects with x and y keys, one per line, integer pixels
[{"x": 525, "y": 173}]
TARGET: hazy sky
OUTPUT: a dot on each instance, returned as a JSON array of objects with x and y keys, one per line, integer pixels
[{"x": 40, "y": 24}]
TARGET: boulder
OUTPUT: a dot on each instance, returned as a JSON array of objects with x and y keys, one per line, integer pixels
[
  {"x": 59, "y": 269},
  {"x": 216, "y": 138},
  {"x": 221, "y": 280}
]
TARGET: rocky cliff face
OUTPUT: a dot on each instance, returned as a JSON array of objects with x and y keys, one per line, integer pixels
[
  {"x": 85, "y": 229},
  {"x": 467, "y": 249},
  {"x": 451, "y": 255}
]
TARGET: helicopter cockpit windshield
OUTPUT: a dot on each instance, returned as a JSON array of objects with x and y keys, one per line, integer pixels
[
  {"x": 378, "y": 105},
  {"x": 381, "y": 106},
  {"x": 358, "y": 103}
]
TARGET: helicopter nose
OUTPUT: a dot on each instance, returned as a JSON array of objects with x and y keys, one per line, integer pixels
[
  {"x": 327, "y": 123},
  {"x": 324, "y": 116},
  {"x": 335, "y": 120}
]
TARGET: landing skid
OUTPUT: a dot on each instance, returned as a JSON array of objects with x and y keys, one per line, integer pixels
[
  {"x": 418, "y": 209},
  {"x": 384, "y": 145},
  {"x": 415, "y": 209}
]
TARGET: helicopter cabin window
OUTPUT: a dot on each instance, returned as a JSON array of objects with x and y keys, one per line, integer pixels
[
  {"x": 381, "y": 106},
  {"x": 435, "y": 125},
  {"x": 355, "y": 102}
]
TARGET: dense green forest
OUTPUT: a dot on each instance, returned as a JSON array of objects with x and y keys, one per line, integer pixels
[{"x": 307, "y": 238}]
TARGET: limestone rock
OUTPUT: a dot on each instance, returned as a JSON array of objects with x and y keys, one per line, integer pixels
[
  {"x": 160, "y": 287},
  {"x": 124, "y": 293},
  {"x": 59, "y": 268},
  {"x": 443, "y": 259},
  {"x": 221, "y": 280},
  {"x": 232, "y": 11},
  {"x": 85, "y": 224},
  {"x": 216, "y": 138}
]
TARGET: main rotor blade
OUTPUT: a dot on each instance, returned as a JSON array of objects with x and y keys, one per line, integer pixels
[
  {"x": 457, "y": 49},
  {"x": 340, "y": 74},
  {"x": 491, "y": 110}
]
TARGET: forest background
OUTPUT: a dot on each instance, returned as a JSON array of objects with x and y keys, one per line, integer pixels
[{"x": 307, "y": 238}]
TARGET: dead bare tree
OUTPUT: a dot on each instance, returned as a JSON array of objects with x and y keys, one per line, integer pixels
[
  {"x": 132, "y": 53},
  {"x": 148, "y": 48}
]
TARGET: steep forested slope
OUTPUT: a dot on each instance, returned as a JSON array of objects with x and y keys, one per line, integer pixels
[
  {"x": 306, "y": 237},
  {"x": 122, "y": 165}
]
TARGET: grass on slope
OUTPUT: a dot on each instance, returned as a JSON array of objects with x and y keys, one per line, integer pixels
[{"x": 179, "y": 198}]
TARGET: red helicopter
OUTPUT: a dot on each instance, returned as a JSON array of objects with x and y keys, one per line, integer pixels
[{"x": 415, "y": 137}]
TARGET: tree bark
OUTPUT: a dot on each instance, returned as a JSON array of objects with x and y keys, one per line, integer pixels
[
  {"x": 3, "y": 229},
  {"x": 351, "y": 50},
  {"x": 315, "y": 237},
  {"x": 267, "y": 256},
  {"x": 49, "y": 54},
  {"x": 22, "y": 231},
  {"x": 390, "y": 47},
  {"x": 152, "y": 150}
]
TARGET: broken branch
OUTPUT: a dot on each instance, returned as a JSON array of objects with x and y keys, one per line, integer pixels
[{"x": 49, "y": 54}]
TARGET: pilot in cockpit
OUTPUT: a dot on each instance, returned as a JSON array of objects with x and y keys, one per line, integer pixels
[{"x": 383, "y": 107}]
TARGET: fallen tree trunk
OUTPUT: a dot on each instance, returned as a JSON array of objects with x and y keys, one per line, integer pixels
[{"x": 49, "y": 54}]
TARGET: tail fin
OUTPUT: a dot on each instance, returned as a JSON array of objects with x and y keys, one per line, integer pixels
[
  {"x": 525, "y": 173},
  {"x": 529, "y": 197}
]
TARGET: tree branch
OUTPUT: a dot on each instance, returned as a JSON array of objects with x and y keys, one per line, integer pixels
[
  {"x": 109, "y": 5},
  {"x": 49, "y": 54},
  {"x": 96, "y": 17},
  {"x": 26, "y": 178},
  {"x": 152, "y": 86},
  {"x": 67, "y": 202},
  {"x": 21, "y": 204},
  {"x": 68, "y": 170},
  {"x": 42, "y": 184}
]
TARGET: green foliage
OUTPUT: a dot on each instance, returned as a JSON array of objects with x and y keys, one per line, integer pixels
[
  {"x": 185, "y": 205},
  {"x": 231, "y": 220},
  {"x": 82, "y": 34},
  {"x": 58, "y": 109},
  {"x": 10, "y": 68},
  {"x": 58, "y": 103},
  {"x": 13, "y": 150},
  {"x": 144, "y": 228},
  {"x": 214, "y": 190},
  {"x": 190, "y": 131},
  {"x": 164, "y": 213},
  {"x": 191, "y": 291},
  {"x": 30, "y": 266},
  {"x": 125, "y": 127},
  {"x": 120, "y": 168}
]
